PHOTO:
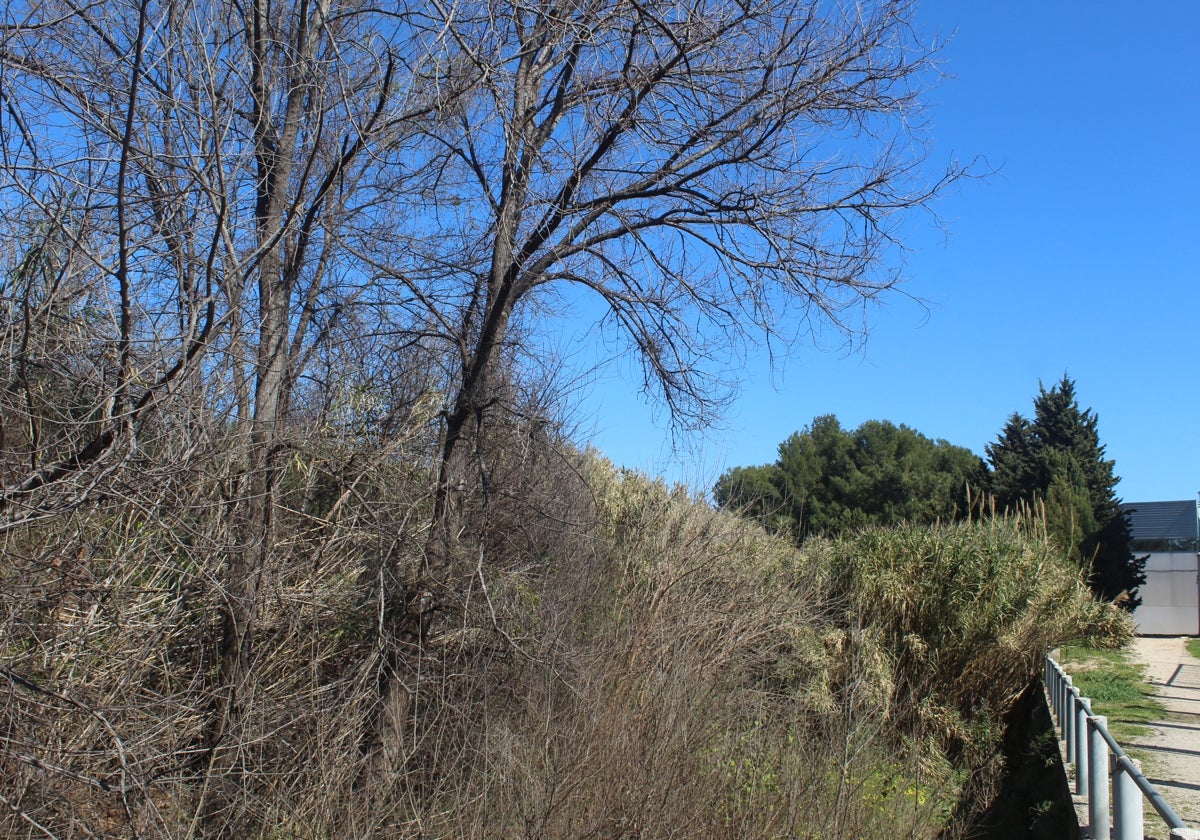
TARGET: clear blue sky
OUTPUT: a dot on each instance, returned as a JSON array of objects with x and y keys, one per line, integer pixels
[{"x": 1080, "y": 255}]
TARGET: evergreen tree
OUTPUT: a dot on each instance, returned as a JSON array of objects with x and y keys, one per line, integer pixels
[
  {"x": 828, "y": 479},
  {"x": 1057, "y": 460},
  {"x": 1014, "y": 464},
  {"x": 1068, "y": 508},
  {"x": 756, "y": 492}
]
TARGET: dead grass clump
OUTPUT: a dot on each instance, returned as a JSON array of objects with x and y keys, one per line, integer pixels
[
  {"x": 686, "y": 693},
  {"x": 109, "y": 628}
]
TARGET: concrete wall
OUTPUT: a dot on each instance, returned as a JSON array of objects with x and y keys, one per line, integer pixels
[{"x": 1170, "y": 596}]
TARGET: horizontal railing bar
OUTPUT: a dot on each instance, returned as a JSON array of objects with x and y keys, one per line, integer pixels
[
  {"x": 1109, "y": 739},
  {"x": 1147, "y": 788}
]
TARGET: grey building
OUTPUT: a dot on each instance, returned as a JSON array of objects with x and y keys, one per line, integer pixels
[{"x": 1169, "y": 532}]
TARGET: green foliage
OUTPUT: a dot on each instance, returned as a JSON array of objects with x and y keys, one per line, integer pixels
[
  {"x": 828, "y": 480},
  {"x": 936, "y": 630},
  {"x": 892, "y": 787},
  {"x": 1109, "y": 688},
  {"x": 1193, "y": 647},
  {"x": 810, "y": 672},
  {"x": 1068, "y": 509},
  {"x": 1057, "y": 461},
  {"x": 755, "y": 492}
]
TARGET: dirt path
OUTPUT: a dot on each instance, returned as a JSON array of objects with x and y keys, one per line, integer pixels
[{"x": 1172, "y": 750}]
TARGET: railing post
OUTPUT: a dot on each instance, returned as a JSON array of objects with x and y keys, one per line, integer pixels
[
  {"x": 1056, "y": 688},
  {"x": 1068, "y": 717},
  {"x": 1058, "y": 696},
  {"x": 1128, "y": 808},
  {"x": 1081, "y": 744},
  {"x": 1051, "y": 683},
  {"x": 1097, "y": 778},
  {"x": 1065, "y": 692}
]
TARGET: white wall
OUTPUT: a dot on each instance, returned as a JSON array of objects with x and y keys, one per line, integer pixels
[{"x": 1170, "y": 595}]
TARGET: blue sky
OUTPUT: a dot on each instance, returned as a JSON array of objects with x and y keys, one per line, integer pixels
[{"x": 1081, "y": 254}]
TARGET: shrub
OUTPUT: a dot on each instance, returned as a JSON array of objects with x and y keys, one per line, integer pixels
[{"x": 963, "y": 614}]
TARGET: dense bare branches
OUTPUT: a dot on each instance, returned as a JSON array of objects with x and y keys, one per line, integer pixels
[
  {"x": 703, "y": 169},
  {"x": 201, "y": 161}
]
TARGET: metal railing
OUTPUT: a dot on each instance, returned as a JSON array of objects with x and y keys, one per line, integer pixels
[{"x": 1099, "y": 759}]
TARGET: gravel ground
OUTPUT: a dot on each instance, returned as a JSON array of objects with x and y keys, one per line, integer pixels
[{"x": 1172, "y": 751}]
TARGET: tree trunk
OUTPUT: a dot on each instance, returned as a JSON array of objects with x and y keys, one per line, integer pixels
[
  {"x": 275, "y": 155},
  {"x": 409, "y": 604}
]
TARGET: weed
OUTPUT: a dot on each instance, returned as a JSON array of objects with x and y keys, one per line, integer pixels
[
  {"x": 1116, "y": 686},
  {"x": 1193, "y": 647}
]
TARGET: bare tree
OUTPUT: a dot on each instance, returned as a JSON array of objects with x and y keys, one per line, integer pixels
[
  {"x": 710, "y": 172},
  {"x": 707, "y": 170},
  {"x": 199, "y": 163}
]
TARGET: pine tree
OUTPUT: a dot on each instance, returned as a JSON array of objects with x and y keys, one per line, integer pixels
[
  {"x": 1057, "y": 460},
  {"x": 828, "y": 480}
]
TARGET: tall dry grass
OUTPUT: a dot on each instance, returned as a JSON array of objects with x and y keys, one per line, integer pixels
[
  {"x": 681, "y": 686},
  {"x": 618, "y": 661}
]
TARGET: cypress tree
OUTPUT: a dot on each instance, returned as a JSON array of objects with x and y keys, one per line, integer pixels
[
  {"x": 1057, "y": 459},
  {"x": 1014, "y": 464},
  {"x": 1068, "y": 507}
]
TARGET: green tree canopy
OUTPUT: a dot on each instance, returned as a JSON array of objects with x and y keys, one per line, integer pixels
[
  {"x": 828, "y": 479},
  {"x": 1057, "y": 460}
]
